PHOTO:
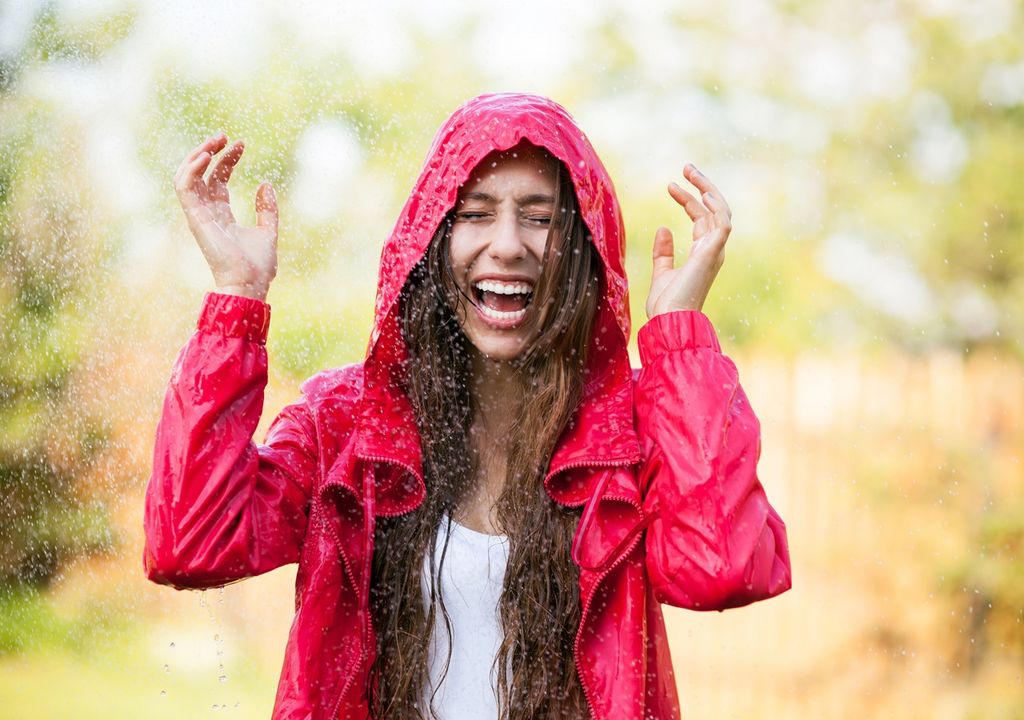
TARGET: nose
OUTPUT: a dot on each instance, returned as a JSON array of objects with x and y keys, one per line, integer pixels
[{"x": 508, "y": 242}]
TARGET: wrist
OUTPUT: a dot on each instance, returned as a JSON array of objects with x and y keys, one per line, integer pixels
[
  {"x": 676, "y": 308},
  {"x": 250, "y": 291},
  {"x": 655, "y": 312}
]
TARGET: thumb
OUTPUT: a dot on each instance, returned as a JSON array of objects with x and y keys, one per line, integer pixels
[
  {"x": 266, "y": 207},
  {"x": 664, "y": 251}
]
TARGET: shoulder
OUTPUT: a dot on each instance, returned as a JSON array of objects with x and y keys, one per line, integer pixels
[
  {"x": 329, "y": 406},
  {"x": 334, "y": 386}
]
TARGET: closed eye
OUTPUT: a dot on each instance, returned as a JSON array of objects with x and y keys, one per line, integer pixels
[{"x": 470, "y": 216}]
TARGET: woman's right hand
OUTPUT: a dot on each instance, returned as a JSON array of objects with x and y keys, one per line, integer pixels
[{"x": 243, "y": 259}]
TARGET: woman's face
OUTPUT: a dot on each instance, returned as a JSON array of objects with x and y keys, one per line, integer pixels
[{"x": 498, "y": 239}]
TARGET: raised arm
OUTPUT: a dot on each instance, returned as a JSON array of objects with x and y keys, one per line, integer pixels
[
  {"x": 716, "y": 542},
  {"x": 218, "y": 507}
]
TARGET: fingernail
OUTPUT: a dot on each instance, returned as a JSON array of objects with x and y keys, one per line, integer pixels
[{"x": 674, "y": 185}]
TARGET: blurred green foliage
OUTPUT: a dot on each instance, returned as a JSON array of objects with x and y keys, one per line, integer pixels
[
  {"x": 50, "y": 257},
  {"x": 30, "y": 623}
]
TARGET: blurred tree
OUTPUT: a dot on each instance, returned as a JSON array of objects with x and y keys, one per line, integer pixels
[{"x": 51, "y": 261}]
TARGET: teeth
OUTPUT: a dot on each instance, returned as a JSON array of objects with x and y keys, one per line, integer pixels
[
  {"x": 504, "y": 288},
  {"x": 499, "y": 315}
]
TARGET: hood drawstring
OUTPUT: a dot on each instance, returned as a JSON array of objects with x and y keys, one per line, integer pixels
[{"x": 588, "y": 519}]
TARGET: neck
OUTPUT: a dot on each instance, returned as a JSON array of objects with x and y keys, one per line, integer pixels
[{"x": 495, "y": 389}]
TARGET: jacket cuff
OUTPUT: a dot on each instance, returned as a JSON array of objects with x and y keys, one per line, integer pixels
[
  {"x": 235, "y": 316},
  {"x": 676, "y": 330}
]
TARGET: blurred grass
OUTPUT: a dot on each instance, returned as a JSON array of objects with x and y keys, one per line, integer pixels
[
  {"x": 108, "y": 652},
  {"x": 119, "y": 678}
]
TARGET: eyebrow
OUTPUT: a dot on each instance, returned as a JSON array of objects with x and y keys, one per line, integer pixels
[{"x": 532, "y": 199}]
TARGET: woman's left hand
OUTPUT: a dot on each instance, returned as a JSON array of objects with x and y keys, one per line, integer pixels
[{"x": 687, "y": 287}]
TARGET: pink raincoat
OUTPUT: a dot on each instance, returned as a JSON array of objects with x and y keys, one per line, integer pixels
[{"x": 662, "y": 460}]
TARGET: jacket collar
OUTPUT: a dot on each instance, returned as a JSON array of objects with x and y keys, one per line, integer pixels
[{"x": 601, "y": 433}]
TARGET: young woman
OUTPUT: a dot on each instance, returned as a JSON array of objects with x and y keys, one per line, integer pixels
[{"x": 488, "y": 511}]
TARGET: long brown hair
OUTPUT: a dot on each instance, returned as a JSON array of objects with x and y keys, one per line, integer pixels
[{"x": 540, "y": 605}]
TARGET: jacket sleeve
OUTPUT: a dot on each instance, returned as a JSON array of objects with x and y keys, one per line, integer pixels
[
  {"x": 715, "y": 542},
  {"x": 219, "y": 508}
]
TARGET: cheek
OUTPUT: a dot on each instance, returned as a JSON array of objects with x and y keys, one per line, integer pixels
[
  {"x": 460, "y": 253},
  {"x": 539, "y": 243},
  {"x": 456, "y": 274}
]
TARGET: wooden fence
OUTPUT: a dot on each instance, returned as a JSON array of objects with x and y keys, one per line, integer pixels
[{"x": 881, "y": 468}]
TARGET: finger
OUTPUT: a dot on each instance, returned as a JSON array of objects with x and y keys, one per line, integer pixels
[
  {"x": 701, "y": 181},
  {"x": 266, "y": 208},
  {"x": 190, "y": 187},
  {"x": 722, "y": 213},
  {"x": 711, "y": 202},
  {"x": 213, "y": 145},
  {"x": 222, "y": 171},
  {"x": 690, "y": 204},
  {"x": 664, "y": 251},
  {"x": 723, "y": 221}
]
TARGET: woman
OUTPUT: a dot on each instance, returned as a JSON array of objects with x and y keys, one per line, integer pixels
[{"x": 488, "y": 510}]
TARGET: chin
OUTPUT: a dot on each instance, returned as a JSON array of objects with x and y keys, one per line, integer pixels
[{"x": 499, "y": 349}]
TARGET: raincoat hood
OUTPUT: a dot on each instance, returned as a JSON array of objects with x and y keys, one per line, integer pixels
[{"x": 497, "y": 122}]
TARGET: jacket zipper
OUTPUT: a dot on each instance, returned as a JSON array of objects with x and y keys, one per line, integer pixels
[
  {"x": 583, "y": 617},
  {"x": 364, "y": 650},
  {"x": 362, "y": 653},
  {"x": 624, "y": 462}
]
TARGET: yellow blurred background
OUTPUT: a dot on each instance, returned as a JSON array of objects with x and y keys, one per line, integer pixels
[{"x": 872, "y": 299}]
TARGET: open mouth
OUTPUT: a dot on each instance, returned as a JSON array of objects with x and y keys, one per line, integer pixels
[{"x": 502, "y": 300}]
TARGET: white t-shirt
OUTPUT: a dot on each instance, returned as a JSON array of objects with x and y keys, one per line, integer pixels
[{"x": 471, "y": 583}]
